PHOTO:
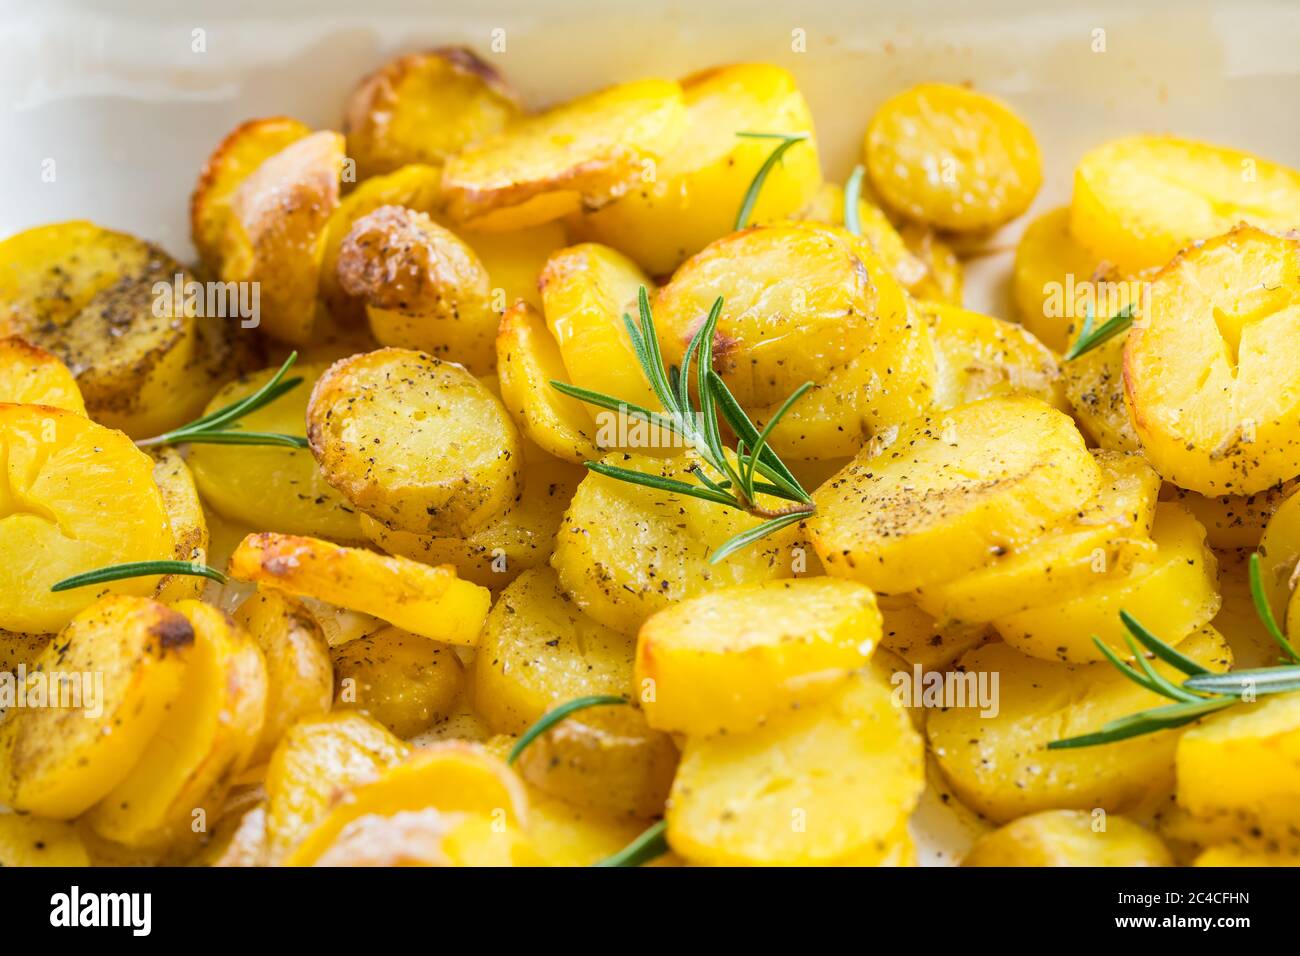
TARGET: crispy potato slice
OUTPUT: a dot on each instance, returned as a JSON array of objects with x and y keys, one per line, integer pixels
[
  {"x": 29, "y": 375},
  {"x": 318, "y": 759},
  {"x": 424, "y": 108},
  {"x": 952, "y": 157},
  {"x": 949, "y": 491},
  {"x": 406, "y": 682},
  {"x": 209, "y": 736},
  {"x": 269, "y": 488},
  {"x": 1094, "y": 387},
  {"x": 1000, "y": 765},
  {"x": 1171, "y": 592},
  {"x": 576, "y": 156},
  {"x": 59, "y": 761},
  {"x": 522, "y": 538},
  {"x": 189, "y": 525},
  {"x": 419, "y": 444},
  {"x": 423, "y": 288},
  {"x": 1107, "y": 535},
  {"x": 730, "y": 660},
  {"x": 1049, "y": 261},
  {"x": 528, "y": 360},
  {"x": 945, "y": 279},
  {"x": 31, "y": 841},
  {"x": 429, "y": 601},
  {"x": 63, "y": 477},
  {"x": 1069, "y": 838},
  {"x": 1213, "y": 393},
  {"x": 625, "y": 550},
  {"x": 697, "y": 188},
  {"x": 847, "y": 772},
  {"x": 299, "y": 675},
  {"x": 1232, "y": 521},
  {"x": 1139, "y": 200}
]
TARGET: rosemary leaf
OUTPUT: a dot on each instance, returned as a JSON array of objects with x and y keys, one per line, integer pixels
[
  {"x": 1089, "y": 338},
  {"x": 557, "y": 714},
  {"x": 660, "y": 483},
  {"x": 1145, "y": 722},
  {"x": 601, "y": 400},
  {"x": 1258, "y": 681},
  {"x": 1128, "y": 671},
  {"x": 1163, "y": 684},
  {"x": 138, "y": 569},
  {"x": 852, "y": 196},
  {"x": 746, "y": 538},
  {"x": 650, "y": 845},
  {"x": 238, "y": 437},
  {"x": 756, "y": 187},
  {"x": 770, "y": 465},
  {"x": 1265, "y": 610},
  {"x": 760, "y": 444},
  {"x": 1159, "y": 648}
]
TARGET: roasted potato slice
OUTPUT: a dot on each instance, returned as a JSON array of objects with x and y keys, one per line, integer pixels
[
  {"x": 29, "y": 375},
  {"x": 1069, "y": 838},
  {"x": 952, "y": 158},
  {"x": 949, "y": 491},
  {"x": 625, "y": 550},
  {"x": 827, "y": 206},
  {"x": 580, "y": 155},
  {"x": 565, "y": 835},
  {"x": 1172, "y": 592},
  {"x": 1050, "y": 262},
  {"x": 1213, "y": 393},
  {"x": 416, "y": 443},
  {"x": 423, "y": 288},
  {"x": 945, "y": 275},
  {"x": 1232, "y": 521},
  {"x": 189, "y": 524},
  {"x": 429, "y": 601},
  {"x": 1094, "y": 387},
  {"x": 406, "y": 682},
  {"x": 59, "y": 761},
  {"x": 1000, "y": 765},
  {"x": 17, "y": 647},
  {"x": 1139, "y": 200},
  {"x": 918, "y": 638},
  {"x": 429, "y": 837},
  {"x": 695, "y": 191},
  {"x": 732, "y": 659},
  {"x": 30, "y": 841},
  {"x": 181, "y": 778},
  {"x": 824, "y": 784},
  {"x": 424, "y": 108},
  {"x": 74, "y": 496},
  {"x": 238, "y": 841}
]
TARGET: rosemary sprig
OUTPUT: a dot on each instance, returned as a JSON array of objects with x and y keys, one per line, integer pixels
[
  {"x": 210, "y": 429},
  {"x": 138, "y": 569},
  {"x": 735, "y": 479},
  {"x": 1089, "y": 338},
  {"x": 557, "y": 714},
  {"x": 650, "y": 845},
  {"x": 1201, "y": 692},
  {"x": 787, "y": 140},
  {"x": 852, "y": 196}
]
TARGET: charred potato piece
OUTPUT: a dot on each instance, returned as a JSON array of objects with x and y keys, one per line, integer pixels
[{"x": 404, "y": 681}]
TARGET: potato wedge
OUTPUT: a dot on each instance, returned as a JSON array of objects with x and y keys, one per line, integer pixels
[
  {"x": 1049, "y": 260},
  {"x": 951, "y": 157},
  {"x": 1139, "y": 200},
  {"x": 950, "y": 490},
  {"x": 1105, "y": 537},
  {"x": 29, "y": 375},
  {"x": 422, "y": 287},
  {"x": 732, "y": 659},
  {"x": 1172, "y": 592},
  {"x": 63, "y": 474},
  {"x": 1069, "y": 838},
  {"x": 189, "y": 525},
  {"x": 406, "y": 682},
  {"x": 419, "y": 444},
  {"x": 1000, "y": 766},
  {"x": 31, "y": 841},
  {"x": 1212, "y": 393},
  {"x": 625, "y": 551},
  {"x": 179, "y": 783},
  {"x": 424, "y": 108},
  {"x": 59, "y": 761},
  {"x": 822, "y": 784},
  {"x": 429, "y": 601},
  {"x": 695, "y": 191},
  {"x": 580, "y": 155}
]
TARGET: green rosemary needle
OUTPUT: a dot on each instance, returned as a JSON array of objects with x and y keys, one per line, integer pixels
[
  {"x": 853, "y": 196},
  {"x": 1089, "y": 338},
  {"x": 557, "y": 714},
  {"x": 787, "y": 140},
  {"x": 650, "y": 845},
  {"x": 138, "y": 569}
]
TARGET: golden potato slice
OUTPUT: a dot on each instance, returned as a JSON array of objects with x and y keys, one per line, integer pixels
[
  {"x": 952, "y": 158},
  {"x": 949, "y": 491},
  {"x": 823, "y": 784},
  {"x": 17, "y": 648},
  {"x": 179, "y": 783},
  {"x": 74, "y": 496},
  {"x": 189, "y": 525},
  {"x": 980, "y": 356},
  {"x": 299, "y": 675},
  {"x": 429, "y": 601},
  {"x": 1212, "y": 390},
  {"x": 317, "y": 760},
  {"x": 1139, "y": 200},
  {"x": 1171, "y": 592},
  {"x": 730, "y": 660},
  {"x": 419, "y": 444},
  {"x": 422, "y": 287},
  {"x": 271, "y": 488},
  {"x": 918, "y": 638},
  {"x": 424, "y": 108},
  {"x": 625, "y": 550},
  {"x": 522, "y": 538},
  {"x": 827, "y": 206},
  {"x": 1069, "y": 838},
  {"x": 1107, "y": 535},
  {"x": 406, "y": 682},
  {"x": 566, "y": 835},
  {"x": 1279, "y": 554},
  {"x": 695, "y": 191},
  {"x": 1049, "y": 261},
  {"x": 514, "y": 260},
  {"x": 1000, "y": 765},
  {"x": 31, "y": 841},
  {"x": 429, "y": 837},
  {"x": 29, "y": 375},
  {"x": 1243, "y": 856},
  {"x": 1237, "y": 619},
  {"x": 132, "y": 655},
  {"x": 945, "y": 276},
  {"x": 1094, "y": 387},
  {"x": 528, "y": 360},
  {"x": 579, "y": 155},
  {"x": 1232, "y": 521}
]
